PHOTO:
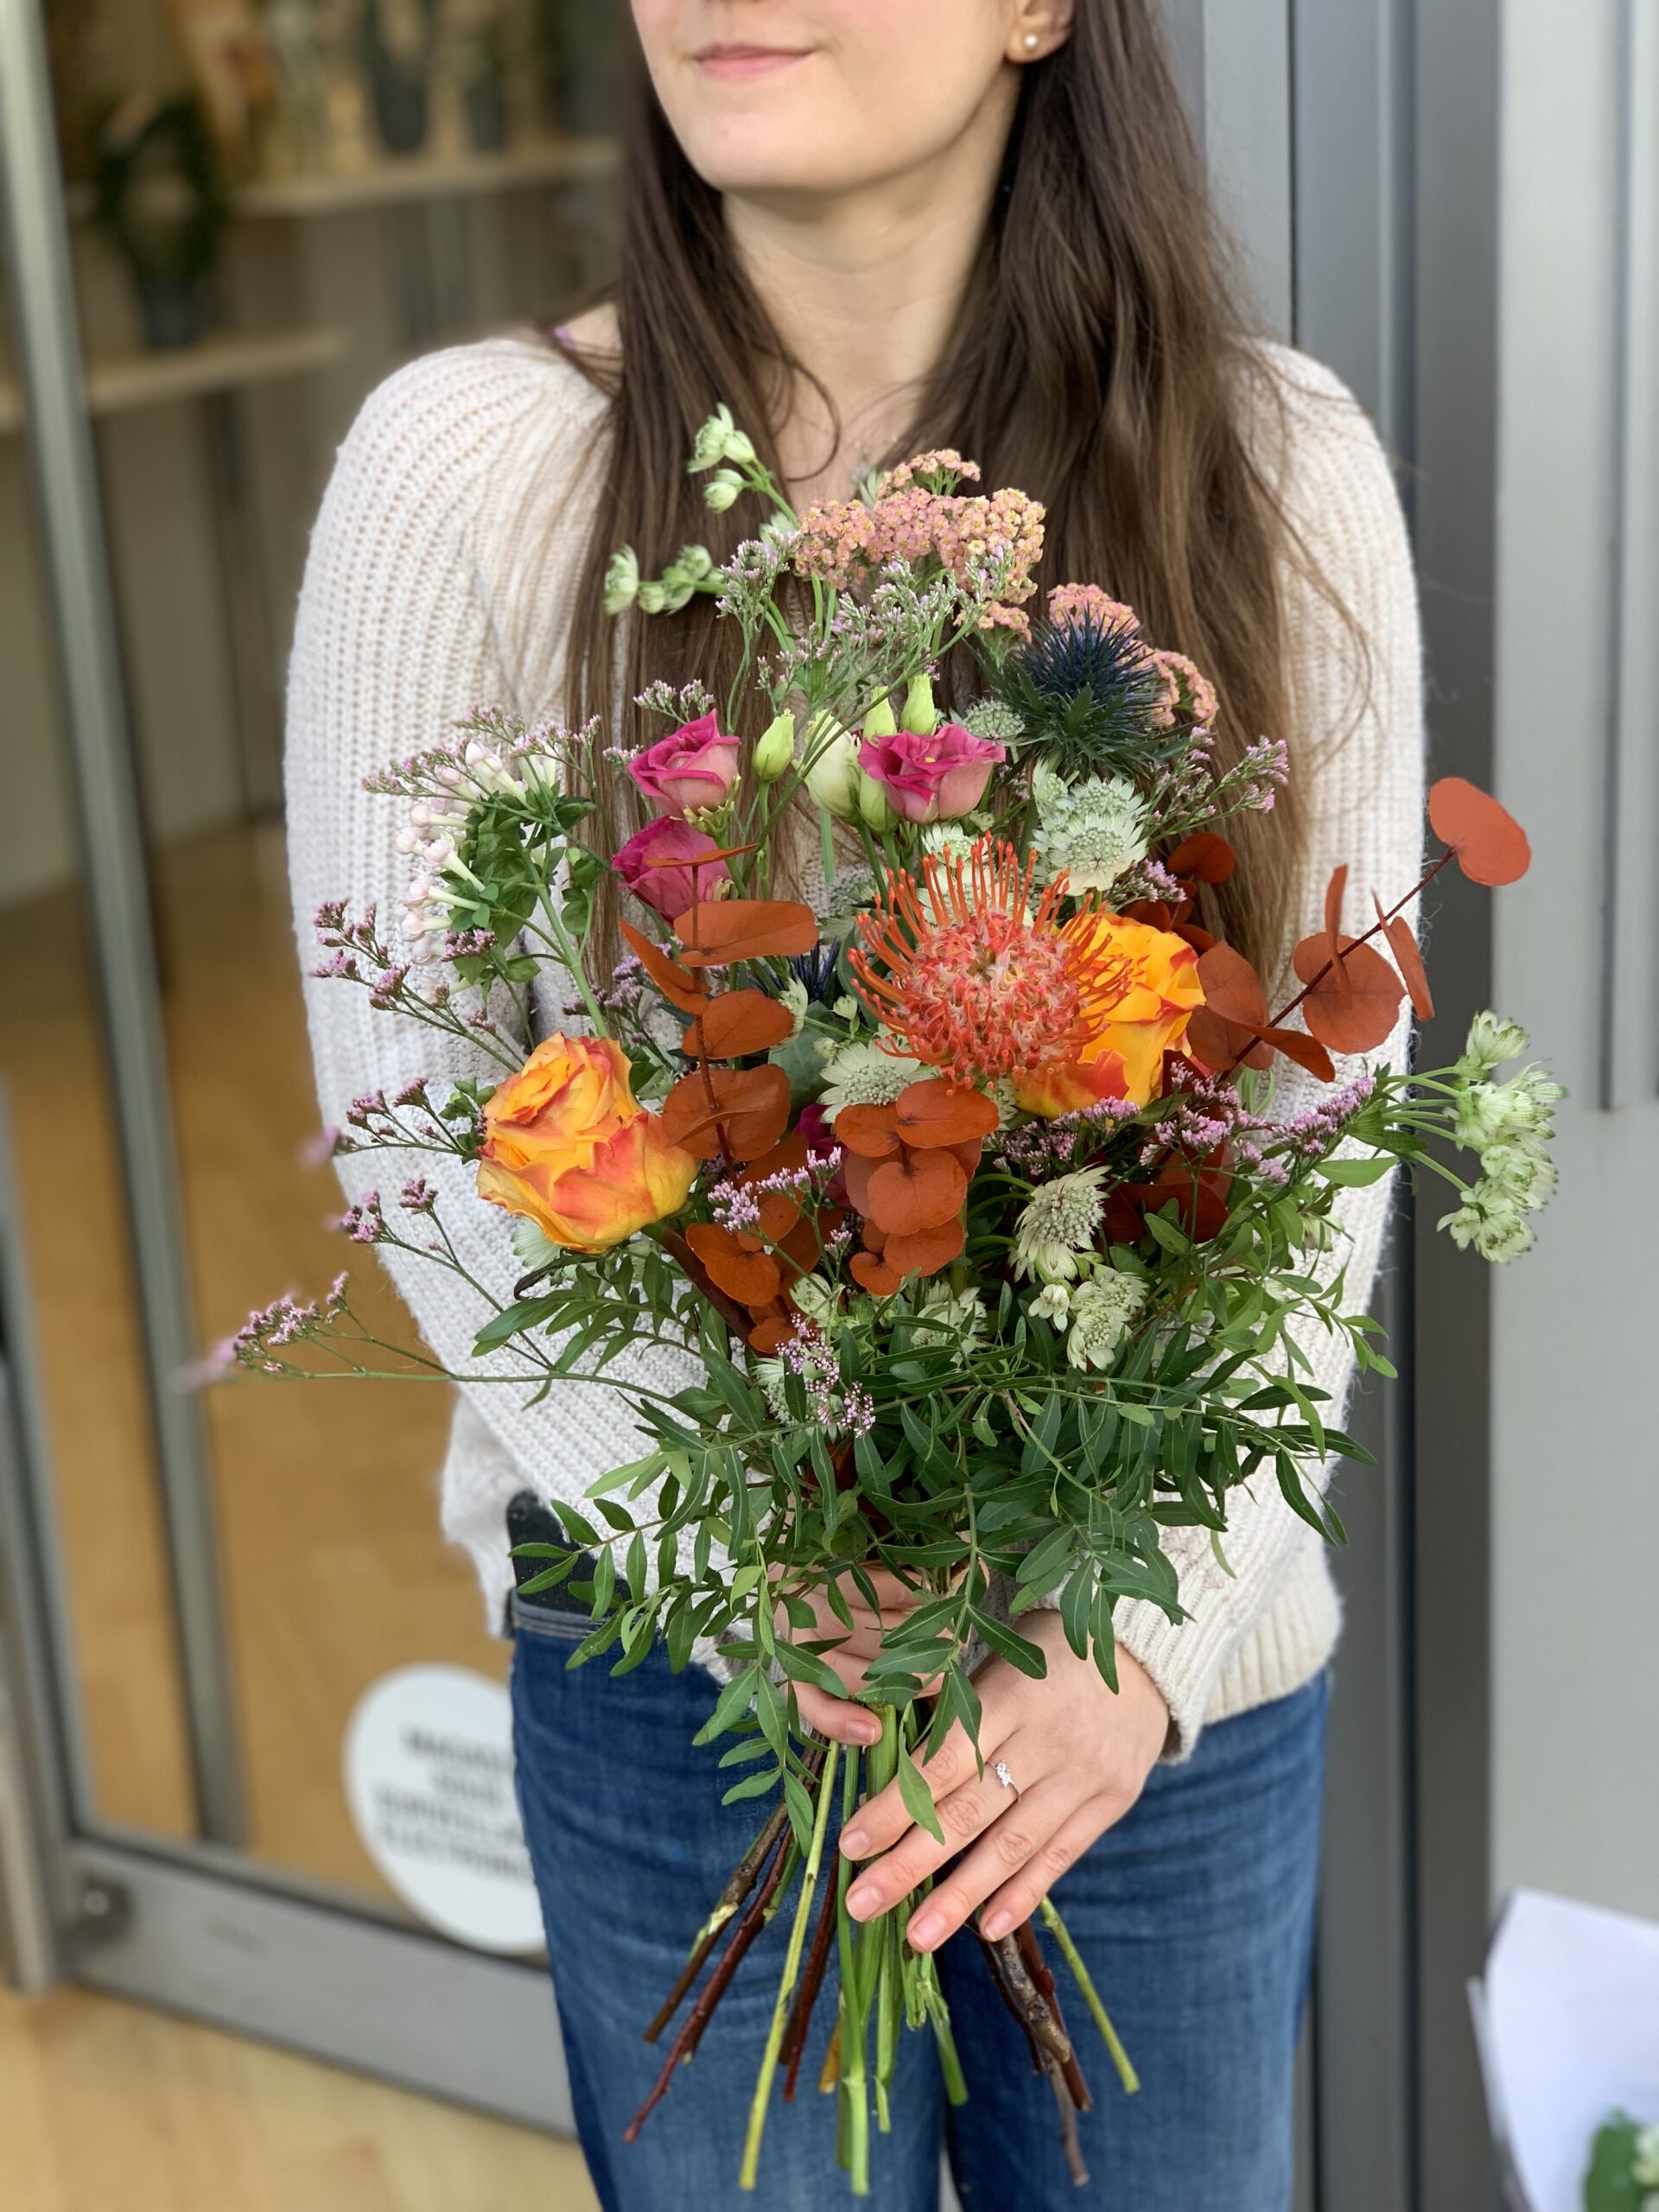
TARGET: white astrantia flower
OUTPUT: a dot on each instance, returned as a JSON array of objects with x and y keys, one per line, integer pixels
[
  {"x": 1093, "y": 831},
  {"x": 621, "y": 581},
  {"x": 1059, "y": 1220},
  {"x": 863, "y": 1075},
  {"x": 947, "y": 841},
  {"x": 794, "y": 996},
  {"x": 1103, "y": 1310},
  {"x": 1519, "y": 1111},
  {"x": 816, "y": 1301},
  {"x": 1491, "y": 1041},
  {"x": 1520, "y": 1174},
  {"x": 959, "y": 1315},
  {"x": 533, "y": 1248},
  {"x": 1052, "y": 1304},
  {"x": 1494, "y": 1227},
  {"x": 991, "y": 719},
  {"x": 773, "y": 1377}
]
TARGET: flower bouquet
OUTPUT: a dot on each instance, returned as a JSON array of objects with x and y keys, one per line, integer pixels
[{"x": 921, "y": 1103}]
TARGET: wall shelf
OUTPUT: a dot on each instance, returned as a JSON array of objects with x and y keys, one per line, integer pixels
[
  {"x": 116, "y": 382},
  {"x": 410, "y": 181}
]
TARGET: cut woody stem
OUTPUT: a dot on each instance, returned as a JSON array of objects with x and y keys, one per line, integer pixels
[{"x": 744, "y": 1876}]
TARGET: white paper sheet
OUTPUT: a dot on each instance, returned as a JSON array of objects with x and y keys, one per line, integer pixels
[{"x": 1572, "y": 2034}]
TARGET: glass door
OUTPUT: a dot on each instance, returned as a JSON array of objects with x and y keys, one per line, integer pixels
[{"x": 268, "y": 1677}]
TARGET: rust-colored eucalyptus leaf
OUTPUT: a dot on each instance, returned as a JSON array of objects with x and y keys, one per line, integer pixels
[
  {"x": 750, "y": 1106},
  {"x": 1232, "y": 988},
  {"x": 1334, "y": 891},
  {"x": 738, "y": 1023},
  {"x": 1204, "y": 857},
  {"x": 1409, "y": 959},
  {"x": 870, "y": 1131},
  {"x": 1355, "y": 1019},
  {"x": 919, "y": 1190},
  {"x": 870, "y": 1270},
  {"x": 936, "y": 1112},
  {"x": 728, "y": 929},
  {"x": 1490, "y": 845},
  {"x": 676, "y": 984},
  {"x": 926, "y": 1252},
  {"x": 1216, "y": 1044},
  {"x": 1305, "y": 1051},
  {"x": 751, "y": 1277}
]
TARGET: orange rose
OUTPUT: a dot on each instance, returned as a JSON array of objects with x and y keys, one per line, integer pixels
[
  {"x": 570, "y": 1148},
  {"x": 1160, "y": 993}
]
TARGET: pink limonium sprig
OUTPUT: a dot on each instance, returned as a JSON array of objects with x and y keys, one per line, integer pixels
[{"x": 357, "y": 953}]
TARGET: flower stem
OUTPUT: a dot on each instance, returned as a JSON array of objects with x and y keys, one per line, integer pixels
[
  {"x": 1068, "y": 1951},
  {"x": 791, "y": 1967}
]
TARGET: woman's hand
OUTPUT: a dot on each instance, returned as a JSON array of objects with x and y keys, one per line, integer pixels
[
  {"x": 1080, "y": 1755},
  {"x": 833, "y": 1716}
]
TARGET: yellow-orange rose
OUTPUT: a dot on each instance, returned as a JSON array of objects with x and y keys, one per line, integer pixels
[
  {"x": 570, "y": 1148},
  {"x": 1160, "y": 993}
]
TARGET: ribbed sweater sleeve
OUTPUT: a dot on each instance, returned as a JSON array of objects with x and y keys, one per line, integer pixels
[
  {"x": 403, "y": 626},
  {"x": 1356, "y": 752}
]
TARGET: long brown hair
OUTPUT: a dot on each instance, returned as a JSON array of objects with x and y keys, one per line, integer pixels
[{"x": 1101, "y": 364}]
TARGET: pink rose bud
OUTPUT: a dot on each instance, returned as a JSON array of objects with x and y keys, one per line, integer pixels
[
  {"x": 937, "y": 779},
  {"x": 692, "y": 768},
  {"x": 657, "y": 865}
]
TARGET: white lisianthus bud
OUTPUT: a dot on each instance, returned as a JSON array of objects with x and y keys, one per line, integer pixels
[
  {"x": 722, "y": 491},
  {"x": 693, "y": 563},
  {"x": 921, "y": 715},
  {"x": 834, "y": 777},
  {"x": 774, "y": 750},
  {"x": 621, "y": 581},
  {"x": 875, "y": 809},
  {"x": 881, "y": 722}
]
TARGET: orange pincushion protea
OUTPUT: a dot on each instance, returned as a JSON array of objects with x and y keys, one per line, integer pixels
[{"x": 970, "y": 979}]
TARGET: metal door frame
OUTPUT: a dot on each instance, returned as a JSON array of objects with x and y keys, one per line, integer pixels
[{"x": 193, "y": 1926}]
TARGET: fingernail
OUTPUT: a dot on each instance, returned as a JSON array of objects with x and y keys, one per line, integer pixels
[
  {"x": 854, "y": 1843},
  {"x": 862, "y": 1903},
  {"x": 864, "y": 1732},
  {"x": 925, "y": 1930},
  {"x": 994, "y": 1926}
]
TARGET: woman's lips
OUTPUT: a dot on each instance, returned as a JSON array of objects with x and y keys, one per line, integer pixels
[{"x": 736, "y": 62}]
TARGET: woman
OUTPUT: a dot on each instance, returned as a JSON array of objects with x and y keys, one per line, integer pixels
[{"x": 871, "y": 228}]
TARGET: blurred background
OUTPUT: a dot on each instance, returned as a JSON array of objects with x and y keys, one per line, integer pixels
[{"x": 225, "y": 220}]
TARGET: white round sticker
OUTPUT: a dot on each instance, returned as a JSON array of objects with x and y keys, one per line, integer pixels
[{"x": 429, "y": 1777}]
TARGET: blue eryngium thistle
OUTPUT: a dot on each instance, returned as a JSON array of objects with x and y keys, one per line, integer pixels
[
  {"x": 1087, "y": 692},
  {"x": 818, "y": 970}
]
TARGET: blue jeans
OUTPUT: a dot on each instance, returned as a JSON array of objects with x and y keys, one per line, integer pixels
[{"x": 1195, "y": 1915}]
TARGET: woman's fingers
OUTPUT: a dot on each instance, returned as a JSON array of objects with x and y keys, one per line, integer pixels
[
  {"x": 879, "y": 1825},
  {"x": 963, "y": 1813},
  {"x": 838, "y": 1718},
  {"x": 1017, "y": 1900},
  {"x": 1018, "y": 1861}
]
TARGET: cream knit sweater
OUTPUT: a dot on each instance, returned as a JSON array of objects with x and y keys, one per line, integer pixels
[{"x": 439, "y": 576}]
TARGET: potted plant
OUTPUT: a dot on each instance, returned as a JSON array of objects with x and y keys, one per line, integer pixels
[{"x": 159, "y": 198}]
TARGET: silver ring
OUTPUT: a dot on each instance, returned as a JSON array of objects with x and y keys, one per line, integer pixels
[{"x": 1000, "y": 1769}]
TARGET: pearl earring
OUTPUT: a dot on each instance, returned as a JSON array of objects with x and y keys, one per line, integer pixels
[{"x": 1031, "y": 41}]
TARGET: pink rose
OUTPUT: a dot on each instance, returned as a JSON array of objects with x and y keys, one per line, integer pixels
[
  {"x": 655, "y": 865},
  {"x": 691, "y": 768},
  {"x": 937, "y": 778}
]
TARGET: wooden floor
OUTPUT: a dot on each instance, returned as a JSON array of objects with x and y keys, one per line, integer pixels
[{"x": 108, "y": 2107}]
